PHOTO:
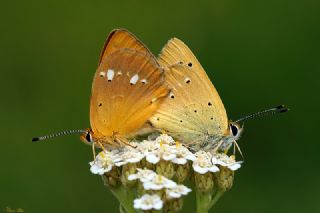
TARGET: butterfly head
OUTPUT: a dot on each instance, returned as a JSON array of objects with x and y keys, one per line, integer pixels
[
  {"x": 235, "y": 130},
  {"x": 233, "y": 134},
  {"x": 87, "y": 136}
]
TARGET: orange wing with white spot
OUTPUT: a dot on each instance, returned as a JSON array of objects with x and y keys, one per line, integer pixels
[
  {"x": 128, "y": 87},
  {"x": 194, "y": 109}
]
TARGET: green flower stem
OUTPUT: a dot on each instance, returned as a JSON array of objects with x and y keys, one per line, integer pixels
[
  {"x": 205, "y": 201},
  {"x": 121, "y": 209},
  {"x": 216, "y": 197},
  {"x": 125, "y": 196}
]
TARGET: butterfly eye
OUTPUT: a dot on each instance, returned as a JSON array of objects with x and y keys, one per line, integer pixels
[
  {"x": 234, "y": 129},
  {"x": 89, "y": 136}
]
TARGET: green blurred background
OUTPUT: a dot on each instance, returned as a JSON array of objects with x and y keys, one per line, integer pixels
[{"x": 258, "y": 53}]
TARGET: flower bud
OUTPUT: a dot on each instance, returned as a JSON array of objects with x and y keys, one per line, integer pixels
[
  {"x": 112, "y": 178},
  {"x": 181, "y": 172},
  {"x": 204, "y": 182},
  {"x": 224, "y": 178},
  {"x": 165, "y": 168},
  {"x": 173, "y": 205},
  {"x": 127, "y": 170}
]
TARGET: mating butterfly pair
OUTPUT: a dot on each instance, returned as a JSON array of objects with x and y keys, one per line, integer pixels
[{"x": 135, "y": 93}]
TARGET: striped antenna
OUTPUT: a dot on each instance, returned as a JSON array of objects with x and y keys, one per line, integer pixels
[
  {"x": 67, "y": 132},
  {"x": 267, "y": 112}
]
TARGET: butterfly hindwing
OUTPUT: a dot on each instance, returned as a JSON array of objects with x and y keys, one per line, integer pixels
[{"x": 193, "y": 108}]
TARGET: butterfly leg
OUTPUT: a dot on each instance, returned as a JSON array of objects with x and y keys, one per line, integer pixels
[
  {"x": 234, "y": 149},
  {"x": 218, "y": 146},
  {"x": 125, "y": 142},
  {"x": 122, "y": 141},
  {"x": 101, "y": 146},
  {"x": 238, "y": 147},
  {"x": 94, "y": 152}
]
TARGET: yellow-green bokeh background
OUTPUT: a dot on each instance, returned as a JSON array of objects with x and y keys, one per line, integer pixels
[{"x": 258, "y": 54}]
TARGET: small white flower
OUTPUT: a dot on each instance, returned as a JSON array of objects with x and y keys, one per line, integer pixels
[
  {"x": 177, "y": 191},
  {"x": 226, "y": 161},
  {"x": 203, "y": 164},
  {"x": 183, "y": 155},
  {"x": 102, "y": 164},
  {"x": 164, "y": 139},
  {"x": 148, "y": 202},
  {"x": 159, "y": 182},
  {"x": 165, "y": 152},
  {"x": 143, "y": 175},
  {"x": 146, "y": 147},
  {"x": 127, "y": 155}
]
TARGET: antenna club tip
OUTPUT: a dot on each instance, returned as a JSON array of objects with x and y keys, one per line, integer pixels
[
  {"x": 282, "y": 108},
  {"x": 35, "y": 139}
]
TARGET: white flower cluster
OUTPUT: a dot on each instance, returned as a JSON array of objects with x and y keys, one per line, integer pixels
[
  {"x": 152, "y": 181},
  {"x": 162, "y": 148},
  {"x": 207, "y": 162}
]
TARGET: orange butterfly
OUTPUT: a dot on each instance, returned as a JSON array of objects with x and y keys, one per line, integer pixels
[
  {"x": 128, "y": 87},
  {"x": 194, "y": 112}
]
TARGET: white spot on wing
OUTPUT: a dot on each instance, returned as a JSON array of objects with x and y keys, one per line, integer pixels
[
  {"x": 102, "y": 74},
  {"x": 119, "y": 73},
  {"x": 144, "y": 81},
  {"x": 110, "y": 74},
  {"x": 187, "y": 80},
  {"x": 134, "y": 79}
]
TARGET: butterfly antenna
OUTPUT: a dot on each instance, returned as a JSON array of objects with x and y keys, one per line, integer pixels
[
  {"x": 267, "y": 112},
  {"x": 67, "y": 132}
]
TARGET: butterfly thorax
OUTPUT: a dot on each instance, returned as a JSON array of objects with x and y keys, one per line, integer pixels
[
  {"x": 207, "y": 142},
  {"x": 216, "y": 142}
]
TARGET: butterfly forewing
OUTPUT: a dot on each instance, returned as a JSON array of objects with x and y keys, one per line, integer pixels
[
  {"x": 119, "y": 39},
  {"x": 128, "y": 87},
  {"x": 193, "y": 108}
]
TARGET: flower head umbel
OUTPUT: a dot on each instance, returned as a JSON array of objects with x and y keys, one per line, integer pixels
[
  {"x": 203, "y": 163},
  {"x": 165, "y": 139},
  {"x": 144, "y": 175},
  {"x": 226, "y": 161},
  {"x": 177, "y": 191},
  {"x": 165, "y": 152},
  {"x": 102, "y": 164},
  {"x": 151, "y": 174},
  {"x": 128, "y": 155},
  {"x": 146, "y": 147},
  {"x": 148, "y": 202},
  {"x": 182, "y": 155},
  {"x": 159, "y": 182}
]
